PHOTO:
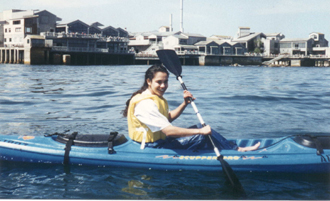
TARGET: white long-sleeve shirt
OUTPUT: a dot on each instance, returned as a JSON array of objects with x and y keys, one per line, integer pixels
[{"x": 147, "y": 112}]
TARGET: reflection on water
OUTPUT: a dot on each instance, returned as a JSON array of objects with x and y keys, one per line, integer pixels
[{"x": 134, "y": 188}]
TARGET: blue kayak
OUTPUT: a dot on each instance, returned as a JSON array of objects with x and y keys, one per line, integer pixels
[{"x": 300, "y": 153}]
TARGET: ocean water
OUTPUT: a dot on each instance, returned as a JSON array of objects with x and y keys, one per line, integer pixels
[{"x": 238, "y": 102}]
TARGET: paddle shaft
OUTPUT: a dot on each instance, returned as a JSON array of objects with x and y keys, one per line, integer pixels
[
  {"x": 172, "y": 62},
  {"x": 225, "y": 166},
  {"x": 199, "y": 116}
]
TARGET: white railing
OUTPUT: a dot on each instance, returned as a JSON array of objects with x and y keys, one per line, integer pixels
[
  {"x": 79, "y": 49},
  {"x": 78, "y": 35},
  {"x": 85, "y": 49}
]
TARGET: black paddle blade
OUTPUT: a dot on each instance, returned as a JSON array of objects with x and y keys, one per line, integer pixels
[
  {"x": 230, "y": 175},
  {"x": 171, "y": 61}
]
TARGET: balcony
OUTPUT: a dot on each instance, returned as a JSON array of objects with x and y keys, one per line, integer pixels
[
  {"x": 52, "y": 35},
  {"x": 79, "y": 49}
]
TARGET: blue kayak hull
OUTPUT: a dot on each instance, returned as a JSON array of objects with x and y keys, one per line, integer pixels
[{"x": 279, "y": 155}]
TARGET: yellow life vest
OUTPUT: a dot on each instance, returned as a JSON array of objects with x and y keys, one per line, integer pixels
[{"x": 136, "y": 129}]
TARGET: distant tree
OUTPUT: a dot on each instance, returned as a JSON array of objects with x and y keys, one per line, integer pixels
[
  {"x": 257, "y": 50},
  {"x": 259, "y": 45}
]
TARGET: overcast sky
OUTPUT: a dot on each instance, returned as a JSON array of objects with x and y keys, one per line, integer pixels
[{"x": 293, "y": 18}]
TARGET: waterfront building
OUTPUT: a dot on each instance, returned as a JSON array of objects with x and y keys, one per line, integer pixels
[
  {"x": 208, "y": 47},
  {"x": 46, "y": 21},
  {"x": 251, "y": 40},
  {"x": 94, "y": 28},
  {"x": 272, "y": 43},
  {"x": 220, "y": 47},
  {"x": 301, "y": 47},
  {"x": 76, "y": 26},
  {"x": 84, "y": 42},
  {"x": 237, "y": 48},
  {"x": 16, "y": 28},
  {"x": 319, "y": 39},
  {"x": 320, "y": 46},
  {"x": 80, "y": 27},
  {"x": 34, "y": 37},
  {"x": 148, "y": 42},
  {"x": 20, "y": 23},
  {"x": 183, "y": 42},
  {"x": 165, "y": 29},
  {"x": 122, "y": 32},
  {"x": 110, "y": 31}
]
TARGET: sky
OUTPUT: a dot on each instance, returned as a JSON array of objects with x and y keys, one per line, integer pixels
[{"x": 293, "y": 18}]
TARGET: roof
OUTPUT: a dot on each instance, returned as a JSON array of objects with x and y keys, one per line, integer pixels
[
  {"x": 248, "y": 37},
  {"x": 96, "y": 24},
  {"x": 187, "y": 46},
  {"x": 180, "y": 36},
  {"x": 295, "y": 39},
  {"x": 25, "y": 16},
  {"x": 46, "y": 11},
  {"x": 233, "y": 43},
  {"x": 152, "y": 33},
  {"x": 35, "y": 37},
  {"x": 76, "y": 21},
  {"x": 317, "y": 33},
  {"x": 192, "y": 35},
  {"x": 30, "y": 16},
  {"x": 204, "y": 42},
  {"x": 121, "y": 29},
  {"x": 273, "y": 34},
  {"x": 220, "y": 37},
  {"x": 110, "y": 27}
]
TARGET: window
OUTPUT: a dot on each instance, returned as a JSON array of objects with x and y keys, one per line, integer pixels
[
  {"x": 18, "y": 29},
  {"x": 78, "y": 27},
  {"x": 9, "y": 39},
  {"x": 37, "y": 42},
  {"x": 28, "y": 41},
  {"x": 285, "y": 45},
  {"x": 28, "y": 29},
  {"x": 9, "y": 30},
  {"x": 183, "y": 42},
  {"x": 5, "y": 30},
  {"x": 17, "y": 22},
  {"x": 299, "y": 45},
  {"x": 5, "y": 40},
  {"x": 79, "y": 43}
]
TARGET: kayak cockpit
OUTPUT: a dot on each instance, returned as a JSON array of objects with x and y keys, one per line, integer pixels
[{"x": 93, "y": 140}]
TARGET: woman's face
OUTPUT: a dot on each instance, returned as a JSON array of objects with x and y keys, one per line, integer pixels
[{"x": 158, "y": 84}]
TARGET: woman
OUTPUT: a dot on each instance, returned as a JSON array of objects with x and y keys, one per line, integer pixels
[{"x": 149, "y": 120}]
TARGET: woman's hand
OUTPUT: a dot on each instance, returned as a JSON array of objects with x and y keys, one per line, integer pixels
[
  {"x": 187, "y": 95},
  {"x": 177, "y": 112},
  {"x": 206, "y": 130}
]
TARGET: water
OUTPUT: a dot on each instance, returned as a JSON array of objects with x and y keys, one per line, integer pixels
[{"x": 238, "y": 102}]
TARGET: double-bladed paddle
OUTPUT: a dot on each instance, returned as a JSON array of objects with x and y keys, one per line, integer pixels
[{"x": 172, "y": 62}]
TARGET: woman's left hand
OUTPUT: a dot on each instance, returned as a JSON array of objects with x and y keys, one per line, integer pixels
[{"x": 186, "y": 96}]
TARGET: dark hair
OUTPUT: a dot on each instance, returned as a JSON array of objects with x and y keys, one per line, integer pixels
[{"x": 149, "y": 74}]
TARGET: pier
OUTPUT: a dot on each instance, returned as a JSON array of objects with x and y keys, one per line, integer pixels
[
  {"x": 13, "y": 55},
  {"x": 237, "y": 60}
]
